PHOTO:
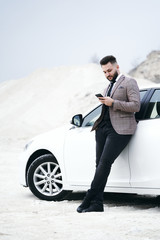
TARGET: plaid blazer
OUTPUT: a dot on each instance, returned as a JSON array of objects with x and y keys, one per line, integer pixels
[{"x": 126, "y": 97}]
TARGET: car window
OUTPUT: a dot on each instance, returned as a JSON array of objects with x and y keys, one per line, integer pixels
[
  {"x": 92, "y": 117},
  {"x": 153, "y": 109},
  {"x": 142, "y": 93}
]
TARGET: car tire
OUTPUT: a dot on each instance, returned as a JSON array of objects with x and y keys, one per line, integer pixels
[{"x": 45, "y": 179}]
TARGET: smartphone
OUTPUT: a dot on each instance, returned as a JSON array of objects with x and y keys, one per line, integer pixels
[{"x": 98, "y": 95}]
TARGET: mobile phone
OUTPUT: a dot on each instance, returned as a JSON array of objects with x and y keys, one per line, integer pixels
[{"x": 98, "y": 95}]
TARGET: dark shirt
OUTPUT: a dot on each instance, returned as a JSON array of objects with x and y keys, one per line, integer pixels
[{"x": 106, "y": 119}]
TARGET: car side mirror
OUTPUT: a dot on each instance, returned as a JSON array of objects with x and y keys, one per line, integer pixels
[{"x": 77, "y": 120}]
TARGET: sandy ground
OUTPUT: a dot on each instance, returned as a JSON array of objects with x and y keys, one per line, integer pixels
[
  {"x": 22, "y": 216},
  {"x": 34, "y": 105}
]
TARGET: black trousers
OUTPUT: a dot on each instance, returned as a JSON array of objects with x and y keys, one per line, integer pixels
[{"x": 109, "y": 144}]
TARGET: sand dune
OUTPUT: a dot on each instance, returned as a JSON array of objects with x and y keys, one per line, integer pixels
[{"x": 48, "y": 98}]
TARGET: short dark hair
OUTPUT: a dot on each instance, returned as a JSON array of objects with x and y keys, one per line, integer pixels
[{"x": 108, "y": 59}]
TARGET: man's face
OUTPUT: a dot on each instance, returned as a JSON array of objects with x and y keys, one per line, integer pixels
[{"x": 111, "y": 71}]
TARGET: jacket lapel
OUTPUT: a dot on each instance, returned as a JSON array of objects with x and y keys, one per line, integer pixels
[{"x": 117, "y": 84}]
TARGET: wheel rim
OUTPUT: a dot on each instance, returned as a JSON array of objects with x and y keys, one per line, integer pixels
[{"x": 48, "y": 179}]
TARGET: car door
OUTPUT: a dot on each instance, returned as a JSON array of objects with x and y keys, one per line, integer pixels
[
  {"x": 79, "y": 155},
  {"x": 79, "y": 151},
  {"x": 144, "y": 157}
]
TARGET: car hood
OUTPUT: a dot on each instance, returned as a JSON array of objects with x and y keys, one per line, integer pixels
[{"x": 48, "y": 139}]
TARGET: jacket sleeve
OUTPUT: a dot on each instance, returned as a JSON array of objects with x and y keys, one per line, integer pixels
[{"x": 132, "y": 102}]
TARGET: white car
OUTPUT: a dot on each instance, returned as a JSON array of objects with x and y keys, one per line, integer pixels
[{"x": 60, "y": 161}]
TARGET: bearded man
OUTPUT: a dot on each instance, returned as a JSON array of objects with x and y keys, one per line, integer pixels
[{"x": 113, "y": 129}]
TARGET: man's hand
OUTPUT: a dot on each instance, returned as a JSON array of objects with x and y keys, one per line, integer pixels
[{"x": 106, "y": 100}]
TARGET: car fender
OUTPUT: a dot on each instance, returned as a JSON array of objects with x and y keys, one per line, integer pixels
[{"x": 52, "y": 141}]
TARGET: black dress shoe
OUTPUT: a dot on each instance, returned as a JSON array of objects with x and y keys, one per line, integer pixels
[
  {"x": 94, "y": 207},
  {"x": 85, "y": 204}
]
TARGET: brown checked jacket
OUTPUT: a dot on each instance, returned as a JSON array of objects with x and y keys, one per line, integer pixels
[{"x": 126, "y": 102}]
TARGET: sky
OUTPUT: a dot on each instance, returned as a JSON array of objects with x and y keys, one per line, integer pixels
[{"x": 49, "y": 33}]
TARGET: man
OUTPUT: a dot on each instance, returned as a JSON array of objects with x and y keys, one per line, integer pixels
[{"x": 114, "y": 129}]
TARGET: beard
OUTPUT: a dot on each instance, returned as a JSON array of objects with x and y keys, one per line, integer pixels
[{"x": 114, "y": 77}]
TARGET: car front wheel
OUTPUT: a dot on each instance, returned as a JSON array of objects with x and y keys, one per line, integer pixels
[{"x": 45, "y": 179}]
